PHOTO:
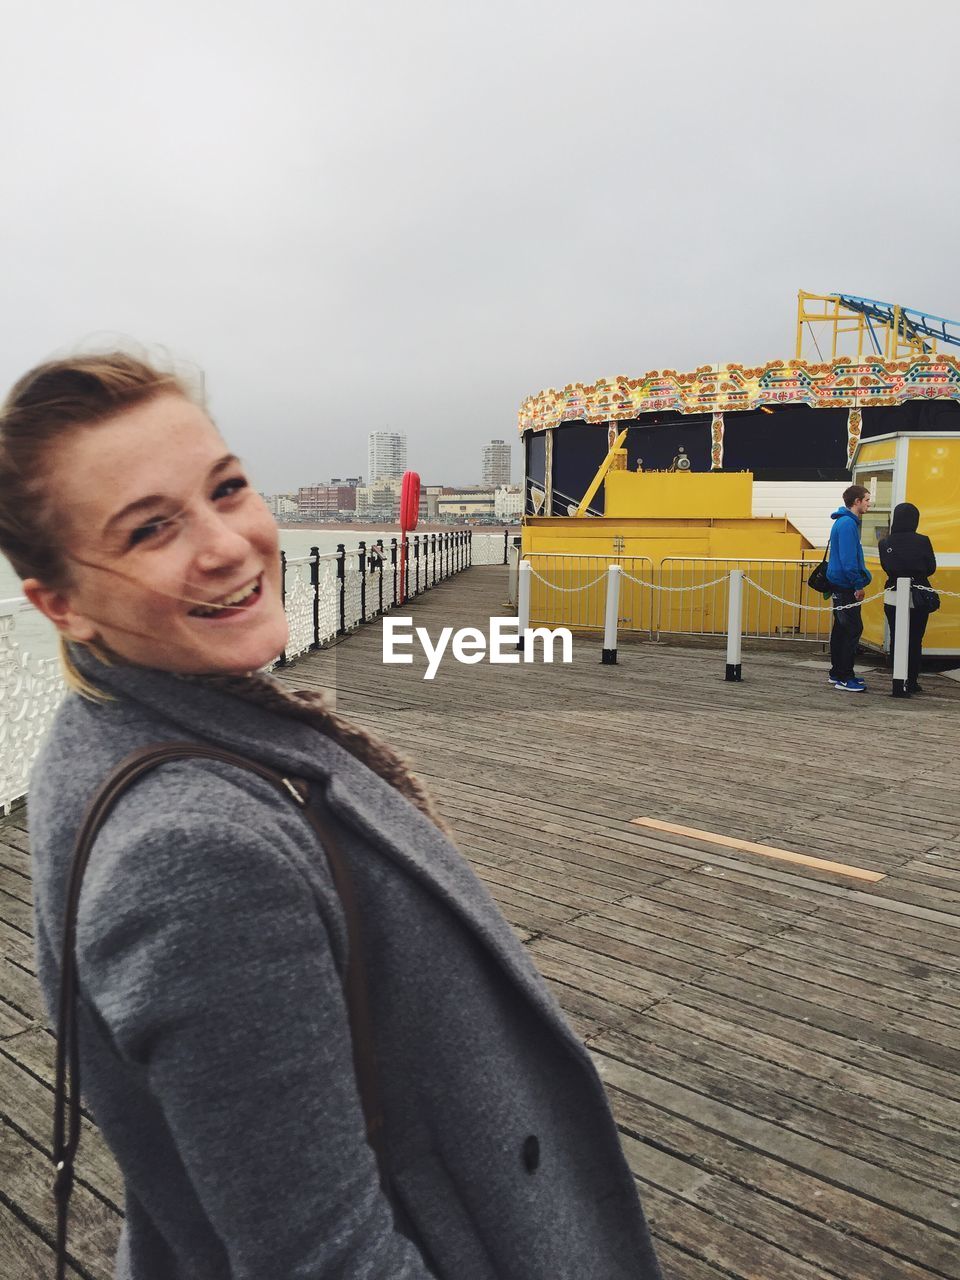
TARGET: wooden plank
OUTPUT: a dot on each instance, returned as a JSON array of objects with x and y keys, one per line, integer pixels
[
  {"x": 24, "y": 1255},
  {"x": 27, "y": 1105},
  {"x": 27, "y": 1177},
  {"x": 773, "y": 1225},
  {"x": 815, "y": 1063},
  {"x": 812, "y": 1194},
  {"x": 763, "y": 850},
  {"x": 924, "y": 1203}
]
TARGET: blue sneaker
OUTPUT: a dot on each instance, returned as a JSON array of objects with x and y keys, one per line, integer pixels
[
  {"x": 854, "y": 685},
  {"x": 833, "y": 679}
]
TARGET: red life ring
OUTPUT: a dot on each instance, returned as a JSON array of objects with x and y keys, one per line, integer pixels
[{"x": 409, "y": 502}]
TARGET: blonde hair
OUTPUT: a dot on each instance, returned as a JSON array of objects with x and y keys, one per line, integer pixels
[{"x": 63, "y": 396}]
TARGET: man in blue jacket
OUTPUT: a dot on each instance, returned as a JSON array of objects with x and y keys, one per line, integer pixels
[{"x": 848, "y": 575}]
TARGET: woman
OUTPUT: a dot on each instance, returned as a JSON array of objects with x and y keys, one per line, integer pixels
[
  {"x": 904, "y": 553},
  {"x": 214, "y": 1040}
]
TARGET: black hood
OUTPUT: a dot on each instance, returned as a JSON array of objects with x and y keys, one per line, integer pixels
[{"x": 906, "y": 517}]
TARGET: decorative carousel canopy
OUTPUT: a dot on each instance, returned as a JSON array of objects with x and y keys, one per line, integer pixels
[{"x": 844, "y": 383}]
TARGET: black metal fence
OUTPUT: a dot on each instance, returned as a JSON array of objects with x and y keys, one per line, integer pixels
[{"x": 328, "y": 595}]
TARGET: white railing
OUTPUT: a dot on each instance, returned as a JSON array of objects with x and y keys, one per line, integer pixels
[
  {"x": 492, "y": 548},
  {"x": 30, "y": 691}
]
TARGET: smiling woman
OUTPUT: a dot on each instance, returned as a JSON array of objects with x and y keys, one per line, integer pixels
[
  {"x": 315, "y": 1048},
  {"x": 176, "y": 541}
]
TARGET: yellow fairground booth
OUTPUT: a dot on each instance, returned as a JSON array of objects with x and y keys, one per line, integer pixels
[{"x": 922, "y": 468}]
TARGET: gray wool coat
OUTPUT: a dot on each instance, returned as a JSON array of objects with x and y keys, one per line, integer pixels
[{"x": 215, "y": 1044}]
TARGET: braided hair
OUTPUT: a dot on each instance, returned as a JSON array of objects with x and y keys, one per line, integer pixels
[{"x": 311, "y": 707}]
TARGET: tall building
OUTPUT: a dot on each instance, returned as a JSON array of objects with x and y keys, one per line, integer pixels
[
  {"x": 496, "y": 463},
  {"x": 386, "y": 456}
]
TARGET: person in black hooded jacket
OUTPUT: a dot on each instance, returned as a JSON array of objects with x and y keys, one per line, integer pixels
[{"x": 904, "y": 553}]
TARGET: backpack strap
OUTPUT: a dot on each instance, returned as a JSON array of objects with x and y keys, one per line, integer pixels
[{"x": 66, "y": 1115}]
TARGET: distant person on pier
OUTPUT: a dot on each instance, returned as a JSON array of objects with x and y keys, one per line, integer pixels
[
  {"x": 905, "y": 553},
  {"x": 314, "y": 1045},
  {"x": 848, "y": 576}
]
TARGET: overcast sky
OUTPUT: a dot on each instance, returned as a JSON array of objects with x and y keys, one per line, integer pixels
[{"x": 365, "y": 216}]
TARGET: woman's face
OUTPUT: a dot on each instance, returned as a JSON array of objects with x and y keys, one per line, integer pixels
[{"x": 160, "y": 526}]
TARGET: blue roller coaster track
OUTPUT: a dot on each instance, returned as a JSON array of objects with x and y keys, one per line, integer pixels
[{"x": 915, "y": 325}]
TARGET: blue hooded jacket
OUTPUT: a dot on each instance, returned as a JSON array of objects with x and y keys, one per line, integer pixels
[{"x": 846, "y": 567}]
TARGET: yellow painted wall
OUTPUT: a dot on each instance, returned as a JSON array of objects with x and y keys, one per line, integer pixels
[
  {"x": 573, "y": 554},
  {"x": 754, "y": 538},
  {"x": 943, "y": 627},
  {"x": 933, "y": 485},
  {"x": 681, "y": 493}
]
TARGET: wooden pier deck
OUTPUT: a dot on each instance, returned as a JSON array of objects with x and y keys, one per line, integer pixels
[{"x": 781, "y": 1043}]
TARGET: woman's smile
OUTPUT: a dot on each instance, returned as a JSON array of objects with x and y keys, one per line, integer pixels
[{"x": 233, "y": 605}]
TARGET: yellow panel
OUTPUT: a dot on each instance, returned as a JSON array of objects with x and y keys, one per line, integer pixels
[
  {"x": 943, "y": 627},
  {"x": 680, "y": 493},
  {"x": 875, "y": 451},
  {"x": 933, "y": 485}
]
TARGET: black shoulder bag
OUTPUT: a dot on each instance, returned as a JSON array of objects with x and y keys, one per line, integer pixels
[
  {"x": 818, "y": 580},
  {"x": 66, "y": 1116},
  {"x": 924, "y": 599}
]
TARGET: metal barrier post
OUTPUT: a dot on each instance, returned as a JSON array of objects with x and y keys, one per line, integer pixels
[
  {"x": 342, "y": 588},
  {"x": 362, "y": 553},
  {"x": 393, "y": 562},
  {"x": 433, "y": 559},
  {"x": 416, "y": 564},
  {"x": 901, "y": 639},
  {"x": 282, "y": 660},
  {"x": 608, "y": 654},
  {"x": 315, "y": 583},
  {"x": 523, "y": 601},
  {"x": 469, "y": 548},
  {"x": 734, "y": 624},
  {"x": 506, "y": 544},
  {"x": 380, "y": 567}
]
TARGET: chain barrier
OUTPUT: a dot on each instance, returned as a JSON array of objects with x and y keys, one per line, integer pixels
[
  {"x": 567, "y": 590},
  {"x": 937, "y": 590},
  {"x": 698, "y": 586},
  {"x": 812, "y": 608},
  {"x": 702, "y": 586}
]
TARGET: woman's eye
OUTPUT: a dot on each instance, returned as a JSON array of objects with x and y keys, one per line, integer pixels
[
  {"x": 149, "y": 530},
  {"x": 229, "y": 487}
]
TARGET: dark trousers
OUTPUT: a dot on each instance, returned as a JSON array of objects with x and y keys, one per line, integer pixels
[
  {"x": 918, "y": 625},
  {"x": 845, "y": 636}
]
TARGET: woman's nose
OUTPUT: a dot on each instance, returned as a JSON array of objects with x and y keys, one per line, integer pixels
[{"x": 219, "y": 546}]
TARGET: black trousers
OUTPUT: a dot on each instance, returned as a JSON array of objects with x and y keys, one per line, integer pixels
[
  {"x": 918, "y": 625},
  {"x": 845, "y": 636}
]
